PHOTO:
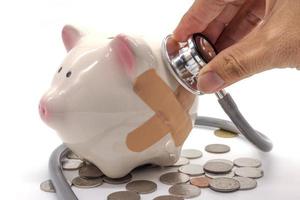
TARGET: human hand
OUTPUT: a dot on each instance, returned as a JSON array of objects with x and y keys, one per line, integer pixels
[{"x": 251, "y": 35}]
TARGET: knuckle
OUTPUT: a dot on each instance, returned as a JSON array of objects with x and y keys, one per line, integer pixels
[
  {"x": 237, "y": 3},
  {"x": 220, "y": 2},
  {"x": 232, "y": 68},
  {"x": 193, "y": 18}
]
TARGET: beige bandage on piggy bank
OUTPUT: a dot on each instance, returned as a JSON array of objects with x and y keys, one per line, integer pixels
[{"x": 114, "y": 103}]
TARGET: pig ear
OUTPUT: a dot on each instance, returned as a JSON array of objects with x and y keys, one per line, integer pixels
[
  {"x": 125, "y": 54},
  {"x": 70, "y": 36}
]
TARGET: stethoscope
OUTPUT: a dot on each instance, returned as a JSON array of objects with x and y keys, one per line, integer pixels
[{"x": 184, "y": 60}]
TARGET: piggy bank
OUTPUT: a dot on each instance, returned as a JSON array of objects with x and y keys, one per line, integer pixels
[{"x": 114, "y": 103}]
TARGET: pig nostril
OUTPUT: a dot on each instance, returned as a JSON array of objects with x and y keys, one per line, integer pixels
[{"x": 43, "y": 110}]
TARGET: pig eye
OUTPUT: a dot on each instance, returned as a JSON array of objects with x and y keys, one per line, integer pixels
[
  {"x": 59, "y": 69},
  {"x": 68, "y": 74}
]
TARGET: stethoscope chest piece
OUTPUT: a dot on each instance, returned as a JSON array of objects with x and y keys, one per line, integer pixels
[{"x": 185, "y": 60}]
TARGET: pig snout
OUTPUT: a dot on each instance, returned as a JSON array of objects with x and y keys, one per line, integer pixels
[
  {"x": 43, "y": 110},
  {"x": 48, "y": 106}
]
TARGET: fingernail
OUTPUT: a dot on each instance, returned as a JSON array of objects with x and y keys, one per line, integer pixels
[{"x": 210, "y": 82}]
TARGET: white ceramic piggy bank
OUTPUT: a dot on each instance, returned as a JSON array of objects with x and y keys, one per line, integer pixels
[{"x": 114, "y": 103}]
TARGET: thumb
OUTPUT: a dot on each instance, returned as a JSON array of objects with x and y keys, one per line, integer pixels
[{"x": 233, "y": 64}]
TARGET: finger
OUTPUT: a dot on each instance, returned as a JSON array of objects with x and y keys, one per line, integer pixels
[
  {"x": 235, "y": 63},
  {"x": 237, "y": 31},
  {"x": 216, "y": 27},
  {"x": 198, "y": 17},
  {"x": 213, "y": 30},
  {"x": 244, "y": 22}
]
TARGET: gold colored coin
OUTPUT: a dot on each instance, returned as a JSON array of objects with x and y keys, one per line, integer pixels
[{"x": 224, "y": 134}]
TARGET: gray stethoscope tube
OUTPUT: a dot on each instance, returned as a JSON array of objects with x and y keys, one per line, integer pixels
[
  {"x": 61, "y": 185},
  {"x": 62, "y": 188},
  {"x": 184, "y": 63}
]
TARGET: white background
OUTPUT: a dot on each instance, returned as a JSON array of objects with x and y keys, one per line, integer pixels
[{"x": 31, "y": 51}]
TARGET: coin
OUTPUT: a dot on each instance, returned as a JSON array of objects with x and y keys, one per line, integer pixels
[
  {"x": 217, "y": 148},
  {"x": 47, "y": 186},
  {"x": 247, "y": 162},
  {"x": 72, "y": 155},
  {"x": 168, "y": 197},
  {"x": 224, "y": 184},
  {"x": 249, "y": 172},
  {"x": 86, "y": 183},
  {"x": 181, "y": 161},
  {"x": 246, "y": 183},
  {"x": 90, "y": 171},
  {"x": 222, "y": 160},
  {"x": 116, "y": 181},
  {"x": 124, "y": 195},
  {"x": 172, "y": 178},
  {"x": 191, "y": 153},
  {"x": 224, "y": 134},
  {"x": 142, "y": 186},
  {"x": 227, "y": 175},
  {"x": 70, "y": 175},
  {"x": 71, "y": 164},
  {"x": 185, "y": 190},
  {"x": 202, "y": 182},
  {"x": 192, "y": 169},
  {"x": 217, "y": 167}
]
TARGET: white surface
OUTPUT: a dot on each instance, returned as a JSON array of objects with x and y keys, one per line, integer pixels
[{"x": 31, "y": 51}]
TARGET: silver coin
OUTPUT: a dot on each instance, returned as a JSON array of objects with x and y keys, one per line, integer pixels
[
  {"x": 90, "y": 171},
  {"x": 217, "y": 148},
  {"x": 173, "y": 178},
  {"x": 47, "y": 186},
  {"x": 224, "y": 184},
  {"x": 87, "y": 183},
  {"x": 247, "y": 162},
  {"x": 227, "y": 175},
  {"x": 70, "y": 175},
  {"x": 72, "y": 164},
  {"x": 192, "y": 169},
  {"x": 168, "y": 197},
  {"x": 142, "y": 186},
  {"x": 222, "y": 160},
  {"x": 116, "y": 181},
  {"x": 72, "y": 155},
  {"x": 246, "y": 183},
  {"x": 249, "y": 172},
  {"x": 181, "y": 161},
  {"x": 191, "y": 153},
  {"x": 217, "y": 167},
  {"x": 185, "y": 190},
  {"x": 124, "y": 195}
]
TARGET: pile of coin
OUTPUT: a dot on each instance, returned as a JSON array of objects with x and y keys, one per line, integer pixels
[
  {"x": 220, "y": 175},
  {"x": 186, "y": 179}
]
